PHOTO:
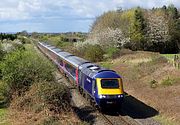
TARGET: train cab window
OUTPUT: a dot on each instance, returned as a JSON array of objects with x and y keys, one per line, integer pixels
[
  {"x": 94, "y": 84},
  {"x": 109, "y": 83}
]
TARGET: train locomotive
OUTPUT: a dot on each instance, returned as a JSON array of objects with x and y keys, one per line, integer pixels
[{"x": 101, "y": 86}]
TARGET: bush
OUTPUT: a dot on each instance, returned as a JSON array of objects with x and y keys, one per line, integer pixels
[
  {"x": 51, "y": 120},
  {"x": 4, "y": 93},
  {"x": 94, "y": 53},
  {"x": 21, "y": 68},
  {"x": 2, "y": 53},
  {"x": 113, "y": 52},
  {"x": 160, "y": 59},
  {"x": 170, "y": 81},
  {"x": 56, "y": 96},
  {"x": 153, "y": 83}
]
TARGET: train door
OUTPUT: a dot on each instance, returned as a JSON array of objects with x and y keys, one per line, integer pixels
[
  {"x": 79, "y": 77},
  {"x": 94, "y": 87}
]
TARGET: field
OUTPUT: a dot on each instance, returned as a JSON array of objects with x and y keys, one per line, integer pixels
[
  {"x": 151, "y": 78},
  {"x": 170, "y": 56}
]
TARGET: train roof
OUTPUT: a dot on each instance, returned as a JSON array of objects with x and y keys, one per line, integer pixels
[
  {"x": 57, "y": 50},
  {"x": 91, "y": 69},
  {"x": 64, "y": 55},
  {"x": 76, "y": 61}
]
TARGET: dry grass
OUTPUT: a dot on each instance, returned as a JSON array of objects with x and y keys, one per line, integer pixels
[
  {"x": 150, "y": 78},
  {"x": 29, "y": 109}
]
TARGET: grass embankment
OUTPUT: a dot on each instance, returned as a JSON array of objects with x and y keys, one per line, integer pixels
[
  {"x": 3, "y": 116},
  {"x": 153, "y": 80},
  {"x": 170, "y": 57},
  {"x": 30, "y": 90},
  {"x": 3, "y": 109}
]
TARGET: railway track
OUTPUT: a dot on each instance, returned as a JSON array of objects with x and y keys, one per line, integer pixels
[
  {"x": 118, "y": 120},
  {"x": 115, "y": 119}
]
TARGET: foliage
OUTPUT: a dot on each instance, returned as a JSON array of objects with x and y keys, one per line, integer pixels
[
  {"x": 2, "y": 53},
  {"x": 156, "y": 29},
  {"x": 94, "y": 53},
  {"x": 23, "y": 33},
  {"x": 153, "y": 83},
  {"x": 167, "y": 82},
  {"x": 157, "y": 32},
  {"x": 51, "y": 120},
  {"x": 170, "y": 81},
  {"x": 4, "y": 93},
  {"x": 107, "y": 20},
  {"x": 113, "y": 52},
  {"x": 56, "y": 96},
  {"x": 137, "y": 30},
  {"x": 3, "y": 115},
  {"x": 21, "y": 68},
  {"x": 8, "y": 36},
  {"x": 107, "y": 65}
]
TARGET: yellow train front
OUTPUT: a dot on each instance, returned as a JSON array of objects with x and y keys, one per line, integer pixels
[{"x": 103, "y": 85}]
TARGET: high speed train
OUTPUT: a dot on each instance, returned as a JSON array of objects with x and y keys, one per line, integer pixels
[{"x": 101, "y": 86}]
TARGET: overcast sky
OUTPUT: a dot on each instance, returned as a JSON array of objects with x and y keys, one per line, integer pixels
[{"x": 62, "y": 15}]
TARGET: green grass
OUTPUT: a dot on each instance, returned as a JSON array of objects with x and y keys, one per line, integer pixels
[
  {"x": 3, "y": 111},
  {"x": 170, "y": 81},
  {"x": 3, "y": 116},
  {"x": 164, "y": 121},
  {"x": 107, "y": 65},
  {"x": 170, "y": 56}
]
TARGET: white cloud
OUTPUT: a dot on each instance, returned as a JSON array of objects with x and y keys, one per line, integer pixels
[
  {"x": 26, "y": 9},
  {"x": 39, "y": 11}
]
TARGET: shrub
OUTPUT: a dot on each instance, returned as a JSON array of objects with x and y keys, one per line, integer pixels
[
  {"x": 160, "y": 59},
  {"x": 112, "y": 52},
  {"x": 51, "y": 120},
  {"x": 167, "y": 82},
  {"x": 56, "y": 96},
  {"x": 153, "y": 83},
  {"x": 2, "y": 53},
  {"x": 94, "y": 53},
  {"x": 4, "y": 93},
  {"x": 21, "y": 68}
]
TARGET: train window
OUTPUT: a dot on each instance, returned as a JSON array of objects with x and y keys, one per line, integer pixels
[
  {"x": 71, "y": 70},
  {"x": 109, "y": 83},
  {"x": 94, "y": 84},
  {"x": 60, "y": 62}
]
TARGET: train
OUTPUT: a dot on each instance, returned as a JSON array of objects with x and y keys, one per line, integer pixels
[{"x": 102, "y": 87}]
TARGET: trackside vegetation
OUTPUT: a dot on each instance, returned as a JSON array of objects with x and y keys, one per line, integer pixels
[{"x": 27, "y": 84}]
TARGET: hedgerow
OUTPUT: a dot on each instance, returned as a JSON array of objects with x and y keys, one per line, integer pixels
[
  {"x": 94, "y": 53},
  {"x": 56, "y": 96},
  {"x": 22, "y": 68}
]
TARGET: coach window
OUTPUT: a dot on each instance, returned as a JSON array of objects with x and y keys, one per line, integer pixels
[
  {"x": 73, "y": 72},
  {"x": 67, "y": 66},
  {"x": 60, "y": 62}
]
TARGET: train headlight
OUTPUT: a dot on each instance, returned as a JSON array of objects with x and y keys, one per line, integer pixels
[
  {"x": 102, "y": 96},
  {"x": 120, "y": 96}
]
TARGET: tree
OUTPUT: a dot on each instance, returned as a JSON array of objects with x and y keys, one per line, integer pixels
[
  {"x": 1, "y": 52},
  {"x": 94, "y": 53},
  {"x": 157, "y": 31},
  {"x": 174, "y": 29},
  {"x": 137, "y": 30}
]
